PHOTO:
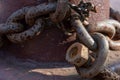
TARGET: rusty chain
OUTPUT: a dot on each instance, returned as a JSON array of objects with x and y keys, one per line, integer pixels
[
  {"x": 31, "y": 17},
  {"x": 109, "y": 28},
  {"x": 97, "y": 38},
  {"x": 108, "y": 74},
  {"x": 61, "y": 10}
]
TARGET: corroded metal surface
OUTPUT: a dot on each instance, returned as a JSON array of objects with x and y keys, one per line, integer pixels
[
  {"x": 32, "y": 14},
  {"x": 37, "y": 11},
  {"x": 102, "y": 7},
  {"x": 83, "y": 35},
  {"x": 77, "y": 54},
  {"x": 110, "y": 28},
  {"x": 101, "y": 55},
  {"x": 108, "y": 74},
  {"x": 104, "y": 28},
  {"x": 61, "y": 11},
  {"x": 96, "y": 67},
  {"x": 35, "y": 30}
]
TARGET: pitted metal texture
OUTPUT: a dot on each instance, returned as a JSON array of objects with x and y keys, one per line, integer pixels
[{"x": 15, "y": 26}]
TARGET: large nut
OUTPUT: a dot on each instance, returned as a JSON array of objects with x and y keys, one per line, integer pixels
[{"x": 77, "y": 54}]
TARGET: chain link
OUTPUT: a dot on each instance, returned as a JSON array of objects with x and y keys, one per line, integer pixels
[
  {"x": 61, "y": 11},
  {"x": 15, "y": 28}
]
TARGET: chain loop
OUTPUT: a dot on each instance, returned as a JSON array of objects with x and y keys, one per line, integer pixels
[
  {"x": 102, "y": 27},
  {"x": 18, "y": 15},
  {"x": 110, "y": 28},
  {"x": 61, "y": 11},
  {"x": 37, "y": 11},
  {"x": 101, "y": 55},
  {"x": 35, "y": 30}
]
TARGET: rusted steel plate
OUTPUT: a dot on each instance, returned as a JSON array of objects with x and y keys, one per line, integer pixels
[
  {"x": 52, "y": 44},
  {"x": 102, "y": 11}
]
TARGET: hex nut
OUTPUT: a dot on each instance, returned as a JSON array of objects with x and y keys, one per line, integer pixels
[{"x": 77, "y": 54}]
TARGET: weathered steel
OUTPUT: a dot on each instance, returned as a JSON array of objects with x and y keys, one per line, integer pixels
[
  {"x": 102, "y": 27},
  {"x": 11, "y": 28},
  {"x": 108, "y": 74},
  {"x": 111, "y": 28},
  {"x": 40, "y": 10},
  {"x": 77, "y": 54},
  {"x": 114, "y": 45},
  {"x": 82, "y": 33},
  {"x": 28, "y": 34},
  {"x": 116, "y": 24},
  {"x": 61, "y": 11},
  {"x": 100, "y": 58},
  {"x": 106, "y": 27},
  {"x": 18, "y": 15}
]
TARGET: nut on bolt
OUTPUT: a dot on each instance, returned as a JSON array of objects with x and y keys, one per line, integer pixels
[{"x": 77, "y": 54}]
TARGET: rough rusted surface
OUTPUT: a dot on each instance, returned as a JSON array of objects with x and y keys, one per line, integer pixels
[
  {"x": 77, "y": 54},
  {"x": 104, "y": 28},
  {"x": 84, "y": 37},
  {"x": 102, "y": 7},
  {"x": 100, "y": 58},
  {"x": 34, "y": 31},
  {"x": 108, "y": 74},
  {"x": 52, "y": 43},
  {"x": 102, "y": 47},
  {"x": 61, "y": 11},
  {"x": 10, "y": 28},
  {"x": 111, "y": 28},
  {"x": 112, "y": 67},
  {"x": 39, "y": 10}
]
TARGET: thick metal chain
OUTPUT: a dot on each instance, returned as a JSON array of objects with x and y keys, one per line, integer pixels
[
  {"x": 16, "y": 31},
  {"x": 97, "y": 44},
  {"x": 105, "y": 27}
]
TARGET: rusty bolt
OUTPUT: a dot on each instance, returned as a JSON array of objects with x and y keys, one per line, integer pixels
[{"x": 77, "y": 54}]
